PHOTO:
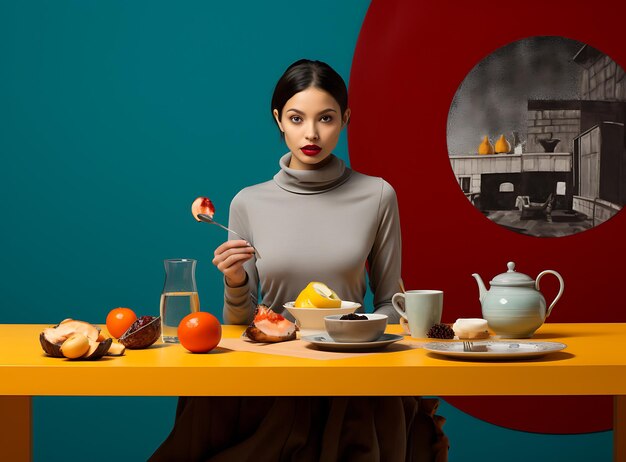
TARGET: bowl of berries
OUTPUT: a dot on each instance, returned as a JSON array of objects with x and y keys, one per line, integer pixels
[{"x": 353, "y": 327}]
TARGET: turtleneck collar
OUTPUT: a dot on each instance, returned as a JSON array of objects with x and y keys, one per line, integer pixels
[{"x": 323, "y": 179}]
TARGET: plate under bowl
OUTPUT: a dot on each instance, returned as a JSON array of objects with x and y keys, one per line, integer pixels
[
  {"x": 313, "y": 318},
  {"x": 323, "y": 341}
]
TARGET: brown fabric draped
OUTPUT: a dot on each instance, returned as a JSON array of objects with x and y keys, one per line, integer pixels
[{"x": 305, "y": 429}]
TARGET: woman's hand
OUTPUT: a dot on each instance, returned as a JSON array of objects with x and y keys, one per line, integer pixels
[{"x": 229, "y": 259}]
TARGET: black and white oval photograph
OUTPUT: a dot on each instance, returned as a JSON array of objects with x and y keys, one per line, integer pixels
[{"x": 536, "y": 138}]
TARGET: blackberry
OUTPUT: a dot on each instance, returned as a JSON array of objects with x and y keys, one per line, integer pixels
[
  {"x": 352, "y": 317},
  {"x": 442, "y": 331}
]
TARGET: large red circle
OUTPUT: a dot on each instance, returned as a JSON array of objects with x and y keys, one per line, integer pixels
[{"x": 409, "y": 60}]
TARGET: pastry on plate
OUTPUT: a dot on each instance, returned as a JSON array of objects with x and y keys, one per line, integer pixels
[{"x": 471, "y": 328}]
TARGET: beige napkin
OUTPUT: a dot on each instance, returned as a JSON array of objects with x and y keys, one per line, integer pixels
[{"x": 302, "y": 349}]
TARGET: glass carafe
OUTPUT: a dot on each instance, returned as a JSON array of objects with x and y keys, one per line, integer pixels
[{"x": 179, "y": 296}]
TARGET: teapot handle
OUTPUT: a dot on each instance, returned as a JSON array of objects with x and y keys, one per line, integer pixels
[{"x": 561, "y": 287}]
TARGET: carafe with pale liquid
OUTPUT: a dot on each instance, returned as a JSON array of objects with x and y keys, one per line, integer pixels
[{"x": 179, "y": 297}]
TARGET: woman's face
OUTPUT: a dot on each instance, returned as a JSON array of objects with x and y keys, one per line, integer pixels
[{"x": 311, "y": 121}]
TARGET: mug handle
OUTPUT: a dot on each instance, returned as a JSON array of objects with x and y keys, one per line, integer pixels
[
  {"x": 561, "y": 287},
  {"x": 399, "y": 307}
]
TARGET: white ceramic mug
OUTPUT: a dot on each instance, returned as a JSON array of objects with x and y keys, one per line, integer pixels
[{"x": 421, "y": 308}]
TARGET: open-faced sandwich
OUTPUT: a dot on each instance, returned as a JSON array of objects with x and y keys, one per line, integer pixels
[{"x": 270, "y": 327}]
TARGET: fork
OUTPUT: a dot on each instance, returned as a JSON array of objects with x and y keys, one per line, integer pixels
[{"x": 467, "y": 346}]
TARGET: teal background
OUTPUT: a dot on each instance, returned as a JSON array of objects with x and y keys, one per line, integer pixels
[{"x": 114, "y": 116}]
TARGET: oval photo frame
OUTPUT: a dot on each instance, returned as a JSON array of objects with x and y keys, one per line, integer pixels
[{"x": 535, "y": 136}]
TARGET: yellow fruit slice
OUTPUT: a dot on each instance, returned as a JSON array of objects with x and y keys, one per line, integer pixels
[
  {"x": 317, "y": 295},
  {"x": 75, "y": 346},
  {"x": 116, "y": 349}
]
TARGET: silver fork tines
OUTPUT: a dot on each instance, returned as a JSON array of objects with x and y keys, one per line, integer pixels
[{"x": 467, "y": 346}]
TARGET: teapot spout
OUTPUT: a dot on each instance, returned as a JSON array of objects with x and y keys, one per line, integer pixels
[{"x": 481, "y": 287}]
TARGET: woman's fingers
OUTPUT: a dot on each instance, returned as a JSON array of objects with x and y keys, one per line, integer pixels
[
  {"x": 231, "y": 255},
  {"x": 233, "y": 262},
  {"x": 221, "y": 257},
  {"x": 233, "y": 270},
  {"x": 236, "y": 243},
  {"x": 229, "y": 259}
]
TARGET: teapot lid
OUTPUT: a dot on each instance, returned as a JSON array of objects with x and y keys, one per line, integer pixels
[{"x": 512, "y": 278}]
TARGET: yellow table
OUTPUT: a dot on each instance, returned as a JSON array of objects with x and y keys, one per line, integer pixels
[{"x": 594, "y": 363}]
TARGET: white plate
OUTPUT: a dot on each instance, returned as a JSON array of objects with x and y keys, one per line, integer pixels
[
  {"x": 324, "y": 342},
  {"x": 495, "y": 350}
]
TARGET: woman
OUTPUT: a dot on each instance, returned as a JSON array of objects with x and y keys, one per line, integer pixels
[{"x": 315, "y": 220}]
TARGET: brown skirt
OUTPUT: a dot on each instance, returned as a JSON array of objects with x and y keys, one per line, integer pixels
[{"x": 305, "y": 429}]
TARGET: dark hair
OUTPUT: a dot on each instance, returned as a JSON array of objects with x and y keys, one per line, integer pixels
[{"x": 303, "y": 74}]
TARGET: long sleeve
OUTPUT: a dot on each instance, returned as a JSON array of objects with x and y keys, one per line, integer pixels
[
  {"x": 385, "y": 258},
  {"x": 239, "y": 302}
]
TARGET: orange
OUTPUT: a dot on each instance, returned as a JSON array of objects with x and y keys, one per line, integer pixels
[
  {"x": 119, "y": 320},
  {"x": 199, "y": 332}
]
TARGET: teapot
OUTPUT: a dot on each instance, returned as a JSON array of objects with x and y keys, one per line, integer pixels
[{"x": 514, "y": 307}]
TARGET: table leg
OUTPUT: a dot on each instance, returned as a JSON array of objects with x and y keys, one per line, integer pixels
[
  {"x": 15, "y": 428},
  {"x": 619, "y": 428}
]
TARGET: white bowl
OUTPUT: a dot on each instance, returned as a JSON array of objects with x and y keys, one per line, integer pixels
[
  {"x": 356, "y": 330},
  {"x": 313, "y": 318}
]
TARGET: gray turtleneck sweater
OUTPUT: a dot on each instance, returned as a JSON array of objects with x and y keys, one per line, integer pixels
[{"x": 326, "y": 225}]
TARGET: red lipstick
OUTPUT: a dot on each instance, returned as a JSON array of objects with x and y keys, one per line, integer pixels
[{"x": 310, "y": 149}]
